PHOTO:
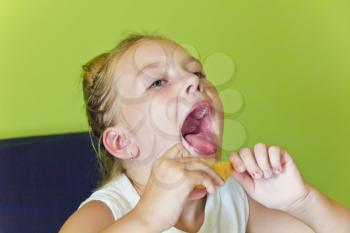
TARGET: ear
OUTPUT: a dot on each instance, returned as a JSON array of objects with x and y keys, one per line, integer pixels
[{"x": 116, "y": 143}]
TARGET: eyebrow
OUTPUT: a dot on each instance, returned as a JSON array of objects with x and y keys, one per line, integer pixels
[
  {"x": 193, "y": 59},
  {"x": 188, "y": 60}
]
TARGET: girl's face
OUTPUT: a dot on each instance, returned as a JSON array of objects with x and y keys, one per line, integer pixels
[{"x": 164, "y": 100}]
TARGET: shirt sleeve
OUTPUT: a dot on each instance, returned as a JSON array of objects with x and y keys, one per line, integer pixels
[{"x": 110, "y": 201}]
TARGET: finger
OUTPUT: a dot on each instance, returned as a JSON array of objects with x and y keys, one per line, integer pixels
[
  {"x": 194, "y": 165},
  {"x": 237, "y": 162},
  {"x": 207, "y": 161},
  {"x": 200, "y": 177},
  {"x": 173, "y": 151},
  {"x": 250, "y": 163},
  {"x": 262, "y": 159},
  {"x": 275, "y": 159},
  {"x": 245, "y": 181}
]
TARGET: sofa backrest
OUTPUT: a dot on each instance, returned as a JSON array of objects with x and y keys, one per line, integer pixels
[{"x": 43, "y": 179}]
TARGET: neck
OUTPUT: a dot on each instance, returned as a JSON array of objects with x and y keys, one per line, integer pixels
[{"x": 192, "y": 216}]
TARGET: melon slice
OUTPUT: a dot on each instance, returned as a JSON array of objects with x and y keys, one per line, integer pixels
[{"x": 223, "y": 168}]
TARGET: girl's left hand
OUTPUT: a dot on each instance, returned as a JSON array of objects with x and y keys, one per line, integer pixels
[{"x": 269, "y": 176}]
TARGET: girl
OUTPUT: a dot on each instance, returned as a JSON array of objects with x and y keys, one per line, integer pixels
[{"x": 158, "y": 119}]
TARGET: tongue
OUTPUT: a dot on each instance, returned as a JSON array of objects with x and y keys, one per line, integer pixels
[{"x": 202, "y": 142}]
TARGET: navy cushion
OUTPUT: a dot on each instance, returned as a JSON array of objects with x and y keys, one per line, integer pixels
[{"x": 43, "y": 179}]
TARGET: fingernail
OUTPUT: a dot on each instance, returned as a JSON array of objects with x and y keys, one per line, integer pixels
[
  {"x": 277, "y": 170},
  {"x": 220, "y": 183},
  {"x": 240, "y": 168},
  {"x": 256, "y": 175},
  {"x": 267, "y": 174}
]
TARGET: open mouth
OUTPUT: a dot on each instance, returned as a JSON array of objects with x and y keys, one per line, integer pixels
[{"x": 196, "y": 129}]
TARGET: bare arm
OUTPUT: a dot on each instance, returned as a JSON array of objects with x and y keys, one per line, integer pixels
[
  {"x": 321, "y": 213},
  {"x": 131, "y": 222},
  {"x": 96, "y": 217},
  {"x": 265, "y": 220}
]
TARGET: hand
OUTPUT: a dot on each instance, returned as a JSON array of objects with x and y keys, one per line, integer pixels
[
  {"x": 172, "y": 181},
  {"x": 269, "y": 176}
]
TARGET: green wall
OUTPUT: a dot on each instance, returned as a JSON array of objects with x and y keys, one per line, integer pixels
[{"x": 283, "y": 69}]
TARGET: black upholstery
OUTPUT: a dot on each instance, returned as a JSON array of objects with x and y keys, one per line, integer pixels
[{"x": 43, "y": 179}]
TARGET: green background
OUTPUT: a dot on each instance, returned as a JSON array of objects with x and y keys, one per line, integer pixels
[{"x": 291, "y": 69}]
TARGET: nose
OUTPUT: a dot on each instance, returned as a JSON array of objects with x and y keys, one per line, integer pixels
[{"x": 191, "y": 84}]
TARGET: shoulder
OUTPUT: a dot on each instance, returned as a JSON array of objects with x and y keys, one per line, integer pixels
[
  {"x": 92, "y": 217},
  {"x": 105, "y": 205},
  {"x": 118, "y": 195}
]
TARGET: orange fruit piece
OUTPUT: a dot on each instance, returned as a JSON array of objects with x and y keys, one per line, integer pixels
[{"x": 223, "y": 168}]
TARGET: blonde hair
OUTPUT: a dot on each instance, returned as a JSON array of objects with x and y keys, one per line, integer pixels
[{"x": 100, "y": 97}]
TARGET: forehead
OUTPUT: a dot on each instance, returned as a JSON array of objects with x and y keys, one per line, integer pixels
[{"x": 151, "y": 51}]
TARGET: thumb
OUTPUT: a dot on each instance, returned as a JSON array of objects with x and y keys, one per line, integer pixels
[
  {"x": 286, "y": 160},
  {"x": 173, "y": 151},
  {"x": 245, "y": 181}
]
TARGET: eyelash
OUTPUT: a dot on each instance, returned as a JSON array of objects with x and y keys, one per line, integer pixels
[
  {"x": 152, "y": 85},
  {"x": 200, "y": 74}
]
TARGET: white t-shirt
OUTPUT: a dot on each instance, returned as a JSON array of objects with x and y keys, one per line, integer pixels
[{"x": 226, "y": 211}]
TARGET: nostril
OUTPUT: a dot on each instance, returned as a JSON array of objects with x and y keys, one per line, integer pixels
[
  {"x": 188, "y": 89},
  {"x": 192, "y": 85}
]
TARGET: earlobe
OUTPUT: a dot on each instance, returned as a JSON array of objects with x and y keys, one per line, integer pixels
[{"x": 133, "y": 150}]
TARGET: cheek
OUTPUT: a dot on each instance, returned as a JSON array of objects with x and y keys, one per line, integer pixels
[
  {"x": 218, "y": 111},
  {"x": 132, "y": 116},
  {"x": 216, "y": 102},
  {"x": 163, "y": 114},
  {"x": 218, "y": 107}
]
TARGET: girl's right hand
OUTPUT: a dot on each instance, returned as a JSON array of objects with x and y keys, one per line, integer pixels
[{"x": 169, "y": 186}]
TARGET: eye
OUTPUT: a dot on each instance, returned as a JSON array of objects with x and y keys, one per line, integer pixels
[
  {"x": 158, "y": 83},
  {"x": 200, "y": 74}
]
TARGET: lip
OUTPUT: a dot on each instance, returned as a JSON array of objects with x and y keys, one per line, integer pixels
[
  {"x": 190, "y": 148},
  {"x": 196, "y": 105},
  {"x": 194, "y": 152}
]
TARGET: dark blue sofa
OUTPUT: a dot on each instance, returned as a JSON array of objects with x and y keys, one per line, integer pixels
[{"x": 43, "y": 179}]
